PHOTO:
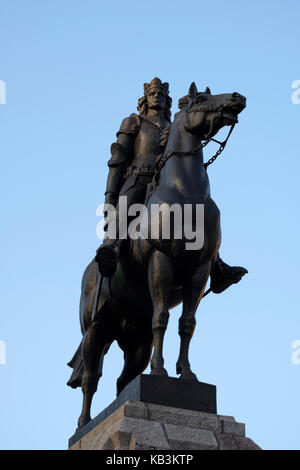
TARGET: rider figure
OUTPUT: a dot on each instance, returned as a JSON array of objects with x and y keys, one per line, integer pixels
[{"x": 139, "y": 142}]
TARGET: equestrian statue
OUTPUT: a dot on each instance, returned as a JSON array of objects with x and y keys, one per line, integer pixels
[{"x": 129, "y": 287}]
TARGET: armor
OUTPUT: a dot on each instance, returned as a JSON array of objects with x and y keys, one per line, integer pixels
[
  {"x": 130, "y": 125},
  {"x": 132, "y": 156},
  {"x": 120, "y": 158},
  {"x": 132, "y": 162}
]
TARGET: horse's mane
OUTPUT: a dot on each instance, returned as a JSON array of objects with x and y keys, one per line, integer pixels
[{"x": 182, "y": 102}]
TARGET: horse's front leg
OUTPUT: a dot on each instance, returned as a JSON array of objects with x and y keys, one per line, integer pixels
[
  {"x": 193, "y": 290},
  {"x": 160, "y": 276}
]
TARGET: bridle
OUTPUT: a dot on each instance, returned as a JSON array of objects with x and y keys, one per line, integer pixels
[{"x": 162, "y": 159}]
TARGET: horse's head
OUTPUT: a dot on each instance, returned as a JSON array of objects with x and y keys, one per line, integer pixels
[{"x": 206, "y": 114}]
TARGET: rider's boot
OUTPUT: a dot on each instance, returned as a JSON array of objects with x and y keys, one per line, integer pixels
[
  {"x": 107, "y": 257},
  {"x": 223, "y": 276}
]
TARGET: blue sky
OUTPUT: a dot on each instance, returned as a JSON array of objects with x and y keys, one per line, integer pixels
[{"x": 73, "y": 70}]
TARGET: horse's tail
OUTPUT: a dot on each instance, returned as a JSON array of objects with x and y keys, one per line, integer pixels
[
  {"x": 87, "y": 299},
  {"x": 76, "y": 363}
]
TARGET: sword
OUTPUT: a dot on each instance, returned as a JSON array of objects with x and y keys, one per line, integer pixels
[
  {"x": 207, "y": 292},
  {"x": 97, "y": 296}
]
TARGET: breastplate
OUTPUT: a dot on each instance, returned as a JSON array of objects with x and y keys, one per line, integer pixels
[{"x": 146, "y": 145}]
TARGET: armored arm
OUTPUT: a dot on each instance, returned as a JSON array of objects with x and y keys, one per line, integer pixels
[
  {"x": 117, "y": 166},
  {"x": 121, "y": 156}
]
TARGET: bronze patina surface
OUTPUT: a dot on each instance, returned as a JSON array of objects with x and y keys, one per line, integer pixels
[{"x": 128, "y": 289}]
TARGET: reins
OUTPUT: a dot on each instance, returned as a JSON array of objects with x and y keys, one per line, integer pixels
[
  {"x": 221, "y": 148},
  {"x": 162, "y": 159}
]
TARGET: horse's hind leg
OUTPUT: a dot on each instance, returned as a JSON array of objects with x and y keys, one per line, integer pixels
[
  {"x": 136, "y": 358},
  {"x": 94, "y": 346},
  {"x": 193, "y": 290},
  {"x": 160, "y": 275}
]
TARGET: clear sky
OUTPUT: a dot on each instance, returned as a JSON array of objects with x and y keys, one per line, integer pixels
[{"x": 73, "y": 70}]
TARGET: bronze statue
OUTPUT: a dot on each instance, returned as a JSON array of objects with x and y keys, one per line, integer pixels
[{"x": 147, "y": 276}]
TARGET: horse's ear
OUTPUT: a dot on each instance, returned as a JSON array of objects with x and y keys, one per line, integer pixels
[
  {"x": 193, "y": 90},
  {"x": 207, "y": 91}
]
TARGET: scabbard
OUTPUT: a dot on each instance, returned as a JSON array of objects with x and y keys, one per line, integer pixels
[{"x": 97, "y": 296}]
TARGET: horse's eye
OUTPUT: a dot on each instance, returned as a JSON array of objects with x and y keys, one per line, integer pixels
[{"x": 200, "y": 98}]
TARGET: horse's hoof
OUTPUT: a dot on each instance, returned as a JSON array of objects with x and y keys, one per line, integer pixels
[
  {"x": 188, "y": 376},
  {"x": 120, "y": 387},
  {"x": 159, "y": 371},
  {"x": 82, "y": 421}
]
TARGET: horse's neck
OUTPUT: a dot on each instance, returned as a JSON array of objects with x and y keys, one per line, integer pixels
[
  {"x": 179, "y": 139},
  {"x": 185, "y": 172}
]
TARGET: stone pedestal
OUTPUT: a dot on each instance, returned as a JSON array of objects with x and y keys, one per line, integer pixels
[{"x": 138, "y": 420}]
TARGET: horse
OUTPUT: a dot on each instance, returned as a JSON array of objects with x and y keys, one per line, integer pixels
[{"x": 154, "y": 275}]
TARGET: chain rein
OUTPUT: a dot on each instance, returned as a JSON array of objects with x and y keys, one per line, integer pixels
[{"x": 162, "y": 159}]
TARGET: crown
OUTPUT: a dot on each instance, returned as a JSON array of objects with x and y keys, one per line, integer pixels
[{"x": 156, "y": 84}]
